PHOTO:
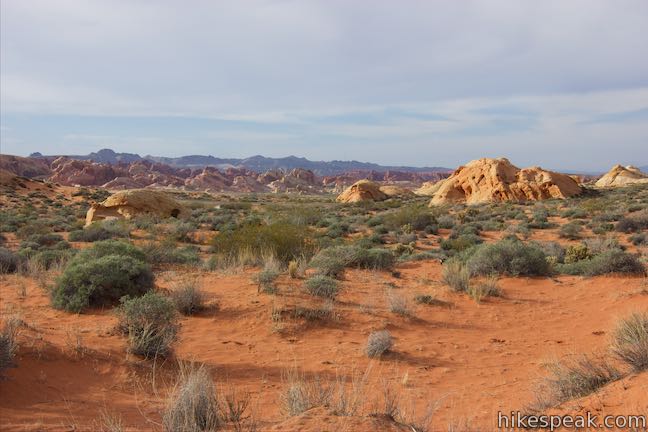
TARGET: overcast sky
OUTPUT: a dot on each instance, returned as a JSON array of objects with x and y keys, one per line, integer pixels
[{"x": 562, "y": 84}]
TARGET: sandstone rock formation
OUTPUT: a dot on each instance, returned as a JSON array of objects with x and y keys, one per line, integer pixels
[
  {"x": 428, "y": 188},
  {"x": 393, "y": 191},
  {"x": 622, "y": 176},
  {"x": 128, "y": 204},
  {"x": 486, "y": 180},
  {"x": 362, "y": 190},
  {"x": 24, "y": 167}
]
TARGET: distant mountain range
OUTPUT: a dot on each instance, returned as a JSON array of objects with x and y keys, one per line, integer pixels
[{"x": 255, "y": 163}]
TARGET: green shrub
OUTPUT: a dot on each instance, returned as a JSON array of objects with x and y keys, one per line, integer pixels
[
  {"x": 49, "y": 258},
  {"x": 508, "y": 257},
  {"x": 461, "y": 243},
  {"x": 100, "y": 281},
  {"x": 322, "y": 286},
  {"x": 167, "y": 252},
  {"x": 639, "y": 239},
  {"x": 150, "y": 321},
  {"x": 575, "y": 253},
  {"x": 283, "y": 240},
  {"x": 111, "y": 247},
  {"x": 266, "y": 280},
  {"x": 102, "y": 230},
  {"x": 571, "y": 231},
  {"x": 613, "y": 261},
  {"x": 635, "y": 223},
  {"x": 630, "y": 341},
  {"x": 9, "y": 261}
]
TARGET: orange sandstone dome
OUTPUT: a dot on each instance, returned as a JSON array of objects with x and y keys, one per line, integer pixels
[
  {"x": 132, "y": 203},
  {"x": 362, "y": 190},
  {"x": 487, "y": 180}
]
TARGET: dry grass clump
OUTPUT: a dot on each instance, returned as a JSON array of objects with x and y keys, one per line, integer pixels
[
  {"x": 301, "y": 394},
  {"x": 485, "y": 288},
  {"x": 8, "y": 342},
  {"x": 378, "y": 343},
  {"x": 456, "y": 275},
  {"x": 151, "y": 324},
  {"x": 630, "y": 341},
  {"x": 192, "y": 406},
  {"x": 188, "y": 297},
  {"x": 576, "y": 378},
  {"x": 398, "y": 304}
]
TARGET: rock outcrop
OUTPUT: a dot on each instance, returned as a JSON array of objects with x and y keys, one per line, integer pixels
[
  {"x": 362, "y": 190},
  {"x": 622, "y": 176},
  {"x": 486, "y": 180},
  {"x": 394, "y": 191},
  {"x": 128, "y": 204}
]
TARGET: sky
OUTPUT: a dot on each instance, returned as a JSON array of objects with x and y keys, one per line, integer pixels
[{"x": 561, "y": 84}]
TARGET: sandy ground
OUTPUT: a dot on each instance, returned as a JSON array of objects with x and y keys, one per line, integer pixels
[{"x": 469, "y": 360}]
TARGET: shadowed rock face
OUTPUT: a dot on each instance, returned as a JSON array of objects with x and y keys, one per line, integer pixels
[
  {"x": 363, "y": 190},
  {"x": 622, "y": 176},
  {"x": 128, "y": 204},
  {"x": 486, "y": 180}
]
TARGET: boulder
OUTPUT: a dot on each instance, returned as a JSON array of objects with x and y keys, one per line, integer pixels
[
  {"x": 488, "y": 180},
  {"x": 131, "y": 203},
  {"x": 622, "y": 176},
  {"x": 362, "y": 190}
]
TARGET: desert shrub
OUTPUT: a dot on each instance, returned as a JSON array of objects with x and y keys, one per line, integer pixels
[
  {"x": 49, "y": 240},
  {"x": 188, "y": 297},
  {"x": 150, "y": 322},
  {"x": 446, "y": 221},
  {"x": 630, "y": 341},
  {"x": 578, "y": 377},
  {"x": 100, "y": 281},
  {"x": 635, "y": 223},
  {"x": 111, "y": 247},
  {"x": 378, "y": 343},
  {"x": 639, "y": 239},
  {"x": 266, "y": 280},
  {"x": 102, "y": 230},
  {"x": 407, "y": 238},
  {"x": 9, "y": 261},
  {"x": 374, "y": 258},
  {"x": 8, "y": 342},
  {"x": 425, "y": 299},
  {"x": 193, "y": 405},
  {"x": 167, "y": 252},
  {"x": 461, "y": 243},
  {"x": 575, "y": 253},
  {"x": 283, "y": 240},
  {"x": 570, "y": 231},
  {"x": 552, "y": 250},
  {"x": 613, "y": 261},
  {"x": 456, "y": 275},
  {"x": 600, "y": 245},
  {"x": 322, "y": 286},
  {"x": 508, "y": 257},
  {"x": 50, "y": 258}
]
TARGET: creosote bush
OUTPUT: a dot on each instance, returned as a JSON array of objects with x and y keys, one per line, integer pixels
[
  {"x": 378, "y": 343},
  {"x": 510, "y": 257},
  {"x": 93, "y": 279},
  {"x": 150, "y": 321},
  {"x": 630, "y": 341}
]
